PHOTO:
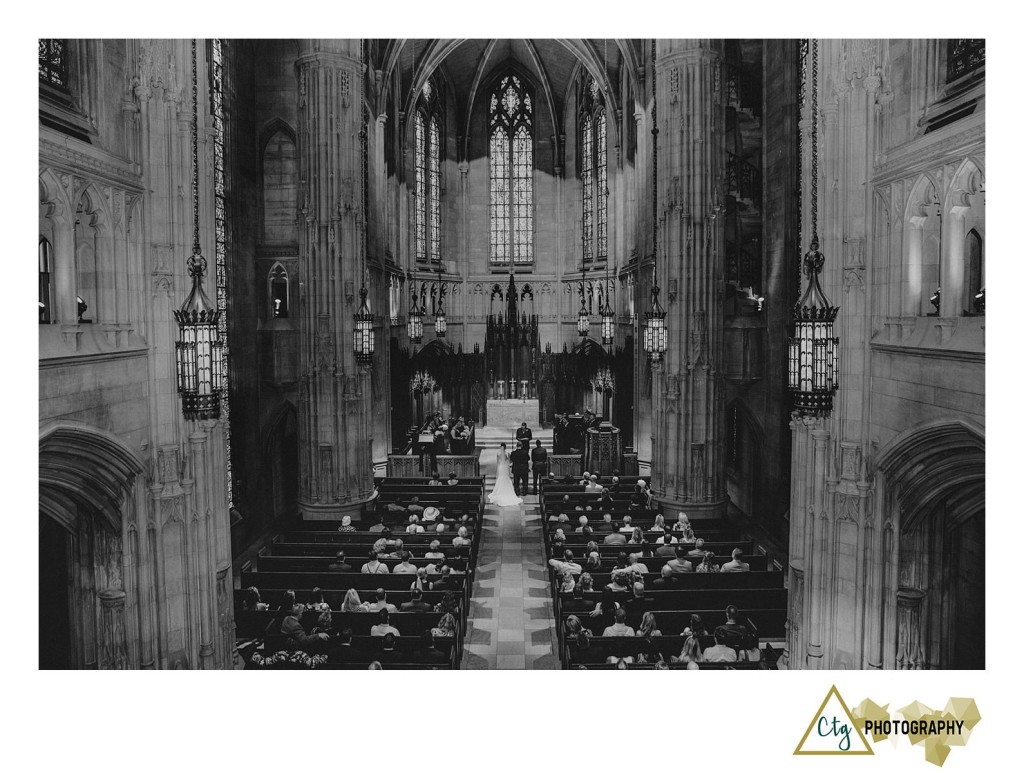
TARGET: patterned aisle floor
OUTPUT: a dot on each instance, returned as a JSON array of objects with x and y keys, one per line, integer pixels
[{"x": 510, "y": 618}]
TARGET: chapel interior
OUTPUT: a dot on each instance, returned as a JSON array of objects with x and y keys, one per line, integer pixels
[{"x": 284, "y": 282}]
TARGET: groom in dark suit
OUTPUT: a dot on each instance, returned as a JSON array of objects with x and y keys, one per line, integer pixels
[
  {"x": 539, "y": 456},
  {"x": 519, "y": 460}
]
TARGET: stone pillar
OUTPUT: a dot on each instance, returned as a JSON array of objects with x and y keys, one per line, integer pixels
[
  {"x": 910, "y": 638},
  {"x": 113, "y": 649},
  {"x": 335, "y": 466},
  {"x": 689, "y": 423}
]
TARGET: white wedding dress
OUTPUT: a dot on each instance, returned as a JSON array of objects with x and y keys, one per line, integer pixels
[{"x": 504, "y": 493}]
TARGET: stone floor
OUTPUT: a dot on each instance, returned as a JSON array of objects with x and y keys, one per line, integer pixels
[{"x": 511, "y": 622}]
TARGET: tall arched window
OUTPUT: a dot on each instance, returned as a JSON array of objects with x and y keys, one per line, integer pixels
[
  {"x": 53, "y": 62},
  {"x": 594, "y": 171},
  {"x": 277, "y": 284},
  {"x": 974, "y": 270},
  {"x": 511, "y": 153},
  {"x": 45, "y": 282},
  {"x": 428, "y": 177}
]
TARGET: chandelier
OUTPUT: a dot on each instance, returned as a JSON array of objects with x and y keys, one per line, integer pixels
[
  {"x": 362, "y": 335},
  {"x": 583, "y": 316},
  {"x": 607, "y": 314},
  {"x": 199, "y": 350},
  {"x": 440, "y": 319},
  {"x": 655, "y": 337},
  {"x": 415, "y": 319},
  {"x": 814, "y": 349}
]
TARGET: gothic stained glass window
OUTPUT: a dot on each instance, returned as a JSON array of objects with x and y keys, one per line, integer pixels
[
  {"x": 511, "y": 172},
  {"x": 964, "y": 56},
  {"x": 594, "y": 172},
  {"x": 53, "y": 62},
  {"x": 427, "y": 213}
]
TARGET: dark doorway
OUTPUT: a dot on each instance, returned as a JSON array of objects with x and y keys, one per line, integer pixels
[
  {"x": 54, "y": 600},
  {"x": 968, "y": 650}
]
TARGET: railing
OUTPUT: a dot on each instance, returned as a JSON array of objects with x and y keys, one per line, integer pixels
[
  {"x": 743, "y": 179},
  {"x": 742, "y": 89}
]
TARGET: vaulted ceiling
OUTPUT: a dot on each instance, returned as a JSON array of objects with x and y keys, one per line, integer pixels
[{"x": 465, "y": 65}]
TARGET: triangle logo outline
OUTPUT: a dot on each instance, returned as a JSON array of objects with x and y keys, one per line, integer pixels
[{"x": 866, "y": 748}]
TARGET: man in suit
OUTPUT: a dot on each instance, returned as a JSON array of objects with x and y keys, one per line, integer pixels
[
  {"x": 340, "y": 565},
  {"x": 524, "y": 433},
  {"x": 737, "y": 564},
  {"x": 417, "y": 604},
  {"x": 519, "y": 460},
  {"x": 539, "y": 457}
]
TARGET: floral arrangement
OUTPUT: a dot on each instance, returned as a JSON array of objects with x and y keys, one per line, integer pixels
[{"x": 298, "y": 657}]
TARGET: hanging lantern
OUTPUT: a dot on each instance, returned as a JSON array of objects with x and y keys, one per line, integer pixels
[
  {"x": 440, "y": 321},
  {"x": 583, "y": 321},
  {"x": 607, "y": 321},
  {"x": 199, "y": 352},
  {"x": 814, "y": 350},
  {"x": 362, "y": 336},
  {"x": 415, "y": 323},
  {"x": 655, "y": 332}
]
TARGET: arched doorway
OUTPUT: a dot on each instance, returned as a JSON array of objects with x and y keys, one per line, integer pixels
[
  {"x": 932, "y": 488},
  {"x": 282, "y": 461},
  {"x": 86, "y": 481}
]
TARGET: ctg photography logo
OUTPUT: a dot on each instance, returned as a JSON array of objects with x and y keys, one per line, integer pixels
[{"x": 836, "y": 730}]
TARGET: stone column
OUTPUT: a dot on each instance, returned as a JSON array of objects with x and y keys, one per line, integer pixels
[
  {"x": 910, "y": 638},
  {"x": 113, "y": 649},
  {"x": 689, "y": 420},
  {"x": 335, "y": 466}
]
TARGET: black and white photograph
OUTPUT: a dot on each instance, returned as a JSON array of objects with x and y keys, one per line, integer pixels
[{"x": 515, "y": 354}]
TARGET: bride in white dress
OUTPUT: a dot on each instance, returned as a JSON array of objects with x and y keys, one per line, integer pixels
[{"x": 504, "y": 493}]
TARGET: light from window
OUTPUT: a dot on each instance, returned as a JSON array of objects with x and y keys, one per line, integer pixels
[
  {"x": 53, "y": 62},
  {"x": 964, "y": 56},
  {"x": 427, "y": 205},
  {"x": 594, "y": 173},
  {"x": 278, "y": 292},
  {"x": 511, "y": 168},
  {"x": 975, "y": 301}
]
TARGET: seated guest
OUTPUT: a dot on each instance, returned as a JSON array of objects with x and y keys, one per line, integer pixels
[
  {"x": 698, "y": 549},
  {"x": 682, "y": 523},
  {"x": 429, "y": 653},
  {"x": 405, "y": 567},
  {"x": 297, "y": 637},
  {"x": 636, "y": 566},
  {"x": 446, "y": 627},
  {"x": 577, "y": 603},
  {"x": 440, "y": 527},
  {"x": 648, "y": 626},
  {"x": 637, "y": 537},
  {"x": 619, "y": 627},
  {"x": 382, "y": 602},
  {"x": 605, "y": 609},
  {"x": 397, "y": 507},
  {"x": 339, "y": 564},
  {"x": 379, "y": 526},
  {"x": 691, "y": 654},
  {"x": 251, "y": 601},
  {"x": 414, "y": 526},
  {"x": 696, "y": 626},
  {"x": 414, "y": 506},
  {"x": 573, "y": 628},
  {"x": 324, "y": 623},
  {"x": 445, "y": 580},
  {"x": 708, "y": 564},
  {"x": 388, "y": 654},
  {"x": 449, "y": 603},
  {"x": 621, "y": 561},
  {"x": 686, "y": 535},
  {"x": 666, "y": 550},
  {"x": 568, "y": 479},
  {"x": 627, "y": 525},
  {"x": 620, "y": 583},
  {"x": 346, "y": 524},
  {"x": 594, "y": 486},
  {"x": 375, "y": 666},
  {"x": 636, "y": 503},
  {"x": 667, "y": 579},
  {"x": 737, "y": 564},
  {"x": 342, "y": 651},
  {"x": 383, "y": 626},
  {"x": 593, "y": 563},
  {"x": 667, "y": 538},
  {"x": 679, "y": 564},
  {"x": 452, "y": 479},
  {"x": 462, "y": 537},
  {"x": 397, "y": 549},
  {"x": 606, "y": 499},
  {"x": 734, "y": 632},
  {"x": 721, "y": 652},
  {"x": 615, "y": 537},
  {"x": 604, "y": 526},
  {"x": 435, "y": 550},
  {"x": 420, "y": 583},
  {"x": 586, "y": 583},
  {"x": 566, "y": 582},
  {"x": 566, "y": 564},
  {"x": 435, "y": 480},
  {"x": 616, "y": 487},
  {"x": 316, "y": 601},
  {"x": 417, "y": 604},
  {"x": 659, "y": 523},
  {"x": 430, "y": 516},
  {"x": 638, "y": 602},
  {"x": 352, "y": 602}
]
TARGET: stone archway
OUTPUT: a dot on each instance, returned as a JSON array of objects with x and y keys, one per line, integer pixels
[
  {"x": 932, "y": 489},
  {"x": 86, "y": 486}
]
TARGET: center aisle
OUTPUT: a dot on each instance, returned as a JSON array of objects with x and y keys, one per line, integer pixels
[{"x": 511, "y": 621}]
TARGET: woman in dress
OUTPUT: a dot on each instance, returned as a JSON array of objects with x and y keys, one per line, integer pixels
[
  {"x": 504, "y": 493},
  {"x": 352, "y": 602}
]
